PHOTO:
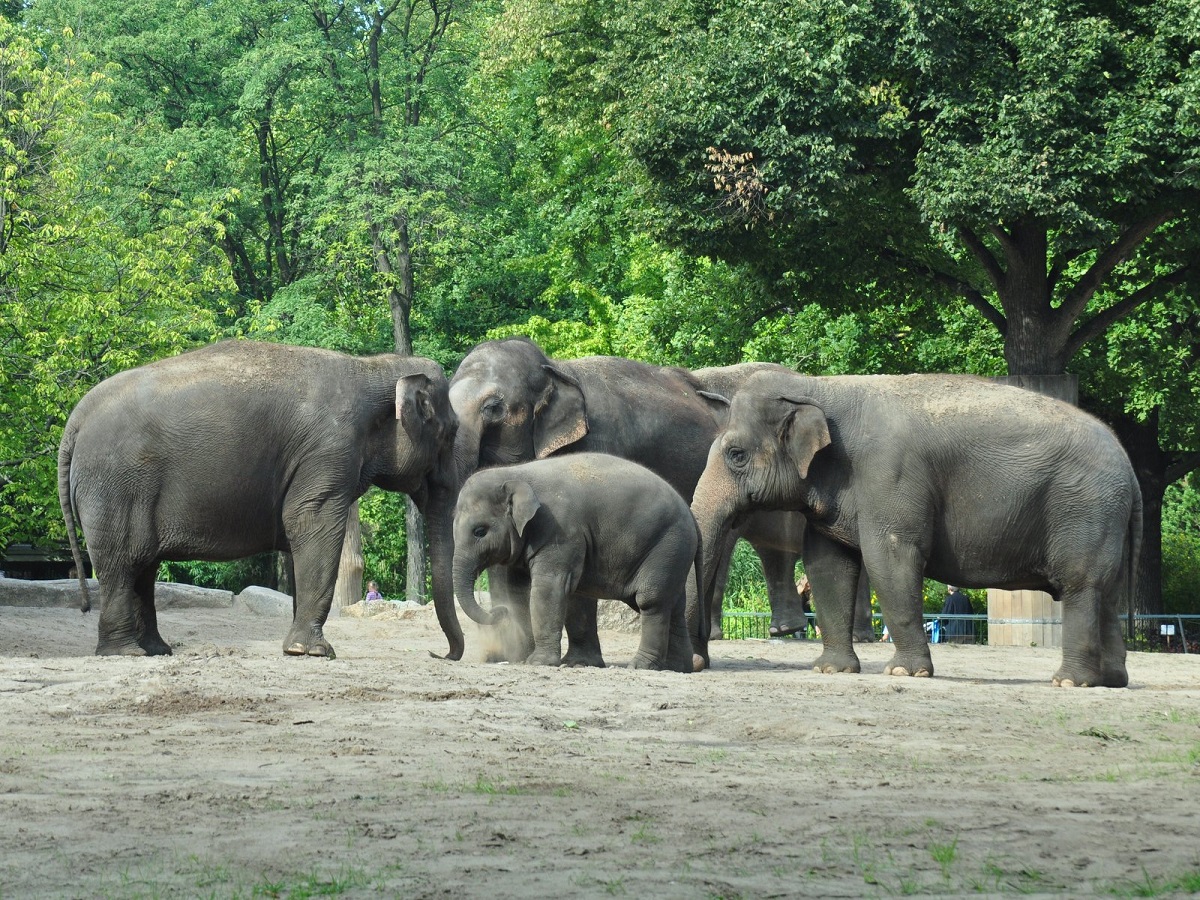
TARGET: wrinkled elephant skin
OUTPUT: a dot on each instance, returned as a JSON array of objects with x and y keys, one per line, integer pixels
[
  {"x": 584, "y": 525},
  {"x": 951, "y": 477},
  {"x": 236, "y": 449}
]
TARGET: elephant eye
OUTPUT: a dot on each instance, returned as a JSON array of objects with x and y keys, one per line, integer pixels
[
  {"x": 480, "y": 531},
  {"x": 494, "y": 406},
  {"x": 735, "y": 456}
]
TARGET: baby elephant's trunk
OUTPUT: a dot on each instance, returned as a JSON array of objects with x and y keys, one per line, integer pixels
[{"x": 465, "y": 574}]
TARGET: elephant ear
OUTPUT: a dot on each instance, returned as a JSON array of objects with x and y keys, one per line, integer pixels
[
  {"x": 718, "y": 405},
  {"x": 803, "y": 431},
  {"x": 414, "y": 406},
  {"x": 523, "y": 503},
  {"x": 560, "y": 416}
]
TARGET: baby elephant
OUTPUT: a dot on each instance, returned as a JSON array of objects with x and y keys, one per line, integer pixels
[{"x": 583, "y": 524}]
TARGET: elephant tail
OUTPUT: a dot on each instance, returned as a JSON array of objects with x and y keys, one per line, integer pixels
[{"x": 66, "y": 501}]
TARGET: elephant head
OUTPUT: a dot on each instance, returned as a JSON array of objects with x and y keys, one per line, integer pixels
[
  {"x": 760, "y": 461},
  {"x": 489, "y": 529},
  {"x": 513, "y": 405}
]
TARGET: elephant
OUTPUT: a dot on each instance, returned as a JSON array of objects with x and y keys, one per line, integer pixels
[
  {"x": 582, "y": 525},
  {"x": 776, "y": 536},
  {"x": 515, "y": 404},
  {"x": 237, "y": 448},
  {"x": 947, "y": 476}
]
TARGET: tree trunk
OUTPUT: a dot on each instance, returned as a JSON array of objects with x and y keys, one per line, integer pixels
[
  {"x": 417, "y": 559},
  {"x": 1152, "y": 467},
  {"x": 285, "y": 577},
  {"x": 349, "y": 587}
]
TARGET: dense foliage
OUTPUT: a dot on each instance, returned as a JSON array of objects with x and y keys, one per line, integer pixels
[{"x": 995, "y": 186}]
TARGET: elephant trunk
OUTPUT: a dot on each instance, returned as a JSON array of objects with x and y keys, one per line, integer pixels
[
  {"x": 715, "y": 504},
  {"x": 440, "y": 521},
  {"x": 465, "y": 574}
]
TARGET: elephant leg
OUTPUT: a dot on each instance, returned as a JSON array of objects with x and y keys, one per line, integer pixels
[
  {"x": 583, "y": 638},
  {"x": 1112, "y": 636},
  {"x": 122, "y": 624},
  {"x": 864, "y": 628},
  {"x": 833, "y": 570},
  {"x": 787, "y": 608},
  {"x": 715, "y": 631},
  {"x": 656, "y": 622},
  {"x": 151, "y": 641},
  {"x": 512, "y": 640},
  {"x": 1088, "y": 633},
  {"x": 548, "y": 603},
  {"x": 315, "y": 556},
  {"x": 679, "y": 643},
  {"x": 898, "y": 574}
]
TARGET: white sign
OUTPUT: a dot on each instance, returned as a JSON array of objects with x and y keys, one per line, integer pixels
[{"x": 1166, "y": 629}]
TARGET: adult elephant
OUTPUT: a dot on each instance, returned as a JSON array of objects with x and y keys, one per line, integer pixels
[
  {"x": 239, "y": 448},
  {"x": 776, "y": 536},
  {"x": 515, "y": 404},
  {"x": 961, "y": 479}
]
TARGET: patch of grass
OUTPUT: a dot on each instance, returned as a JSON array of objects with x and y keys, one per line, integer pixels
[
  {"x": 944, "y": 855},
  {"x": 483, "y": 785},
  {"x": 1158, "y": 886}
]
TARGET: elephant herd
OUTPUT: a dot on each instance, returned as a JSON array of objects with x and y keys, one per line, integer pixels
[{"x": 570, "y": 480}]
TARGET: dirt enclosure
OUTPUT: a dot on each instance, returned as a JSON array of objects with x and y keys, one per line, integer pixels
[{"x": 229, "y": 770}]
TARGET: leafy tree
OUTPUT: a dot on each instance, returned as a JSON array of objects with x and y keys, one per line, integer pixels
[
  {"x": 1036, "y": 160},
  {"x": 84, "y": 293}
]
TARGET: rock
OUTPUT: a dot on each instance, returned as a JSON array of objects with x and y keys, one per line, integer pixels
[
  {"x": 386, "y": 609},
  {"x": 616, "y": 615},
  {"x": 65, "y": 592},
  {"x": 263, "y": 601}
]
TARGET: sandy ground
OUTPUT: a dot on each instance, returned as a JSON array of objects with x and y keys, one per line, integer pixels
[{"x": 231, "y": 770}]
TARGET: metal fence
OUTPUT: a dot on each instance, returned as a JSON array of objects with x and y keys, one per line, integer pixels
[{"x": 1172, "y": 633}]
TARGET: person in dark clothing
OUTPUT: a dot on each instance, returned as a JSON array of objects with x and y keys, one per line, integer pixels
[{"x": 957, "y": 631}]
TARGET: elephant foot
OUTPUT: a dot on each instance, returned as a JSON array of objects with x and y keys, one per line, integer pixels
[
  {"x": 784, "y": 628},
  {"x": 312, "y": 643},
  {"x": 646, "y": 661},
  {"x": 715, "y": 633},
  {"x": 156, "y": 647},
  {"x": 1069, "y": 677},
  {"x": 577, "y": 658},
  {"x": 909, "y": 667},
  {"x": 543, "y": 658},
  {"x": 122, "y": 648},
  {"x": 830, "y": 663}
]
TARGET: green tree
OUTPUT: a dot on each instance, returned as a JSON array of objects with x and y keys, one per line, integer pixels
[
  {"x": 1036, "y": 160},
  {"x": 84, "y": 293}
]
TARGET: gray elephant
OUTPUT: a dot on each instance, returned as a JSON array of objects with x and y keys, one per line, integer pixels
[
  {"x": 953, "y": 477},
  {"x": 776, "y": 536},
  {"x": 514, "y": 404},
  {"x": 584, "y": 525},
  {"x": 239, "y": 448}
]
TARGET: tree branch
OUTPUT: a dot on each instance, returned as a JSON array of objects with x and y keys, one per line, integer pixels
[
  {"x": 965, "y": 290},
  {"x": 1077, "y": 298},
  {"x": 1184, "y": 465},
  {"x": 1099, "y": 323},
  {"x": 985, "y": 257}
]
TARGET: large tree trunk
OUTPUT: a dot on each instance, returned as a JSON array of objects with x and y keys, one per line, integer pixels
[
  {"x": 349, "y": 587},
  {"x": 417, "y": 559},
  {"x": 1152, "y": 467}
]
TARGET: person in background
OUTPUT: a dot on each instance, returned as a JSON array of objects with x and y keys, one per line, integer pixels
[
  {"x": 373, "y": 592},
  {"x": 957, "y": 631}
]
